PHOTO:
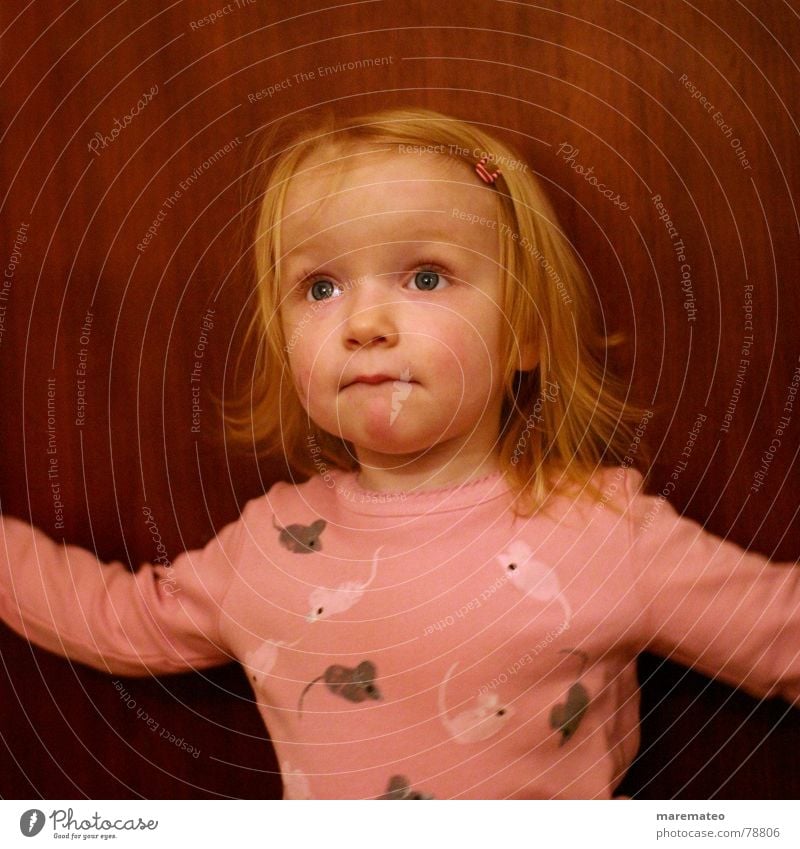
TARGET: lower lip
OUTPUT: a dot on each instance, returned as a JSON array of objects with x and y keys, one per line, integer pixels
[
  {"x": 366, "y": 383},
  {"x": 382, "y": 383}
]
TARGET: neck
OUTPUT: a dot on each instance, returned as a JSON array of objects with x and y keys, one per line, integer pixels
[{"x": 397, "y": 473}]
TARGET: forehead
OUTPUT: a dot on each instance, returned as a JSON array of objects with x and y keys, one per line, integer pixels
[{"x": 368, "y": 194}]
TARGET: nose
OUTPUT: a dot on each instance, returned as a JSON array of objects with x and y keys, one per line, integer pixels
[{"x": 371, "y": 314}]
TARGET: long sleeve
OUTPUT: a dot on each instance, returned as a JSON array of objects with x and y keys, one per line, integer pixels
[
  {"x": 160, "y": 619},
  {"x": 711, "y": 605}
]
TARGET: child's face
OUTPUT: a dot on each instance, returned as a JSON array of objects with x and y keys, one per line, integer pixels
[{"x": 389, "y": 276}]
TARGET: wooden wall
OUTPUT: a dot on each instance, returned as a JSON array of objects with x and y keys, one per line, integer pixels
[{"x": 125, "y": 134}]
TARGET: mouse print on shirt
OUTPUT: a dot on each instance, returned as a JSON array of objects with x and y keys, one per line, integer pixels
[
  {"x": 476, "y": 723},
  {"x": 533, "y": 577},
  {"x": 301, "y": 539},
  {"x": 259, "y": 662},
  {"x": 566, "y": 716},
  {"x": 295, "y": 783},
  {"x": 327, "y": 601},
  {"x": 355, "y": 685},
  {"x": 400, "y": 788}
]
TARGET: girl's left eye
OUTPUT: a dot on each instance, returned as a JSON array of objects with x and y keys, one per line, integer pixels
[{"x": 428, "y": 280}]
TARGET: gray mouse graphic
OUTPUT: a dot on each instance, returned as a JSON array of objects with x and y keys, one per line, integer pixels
[
  {"x": 400, "y": 788},
  {"x": 301, "y": 539},
  {"x": 355, "y": 685},
  {"x": 566, "y": 716}
]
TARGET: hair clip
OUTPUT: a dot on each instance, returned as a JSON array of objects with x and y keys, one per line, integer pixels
[{"x": 484, "y": 173}]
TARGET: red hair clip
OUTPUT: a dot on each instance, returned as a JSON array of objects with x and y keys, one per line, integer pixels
[{"x": 484, "y": 173}]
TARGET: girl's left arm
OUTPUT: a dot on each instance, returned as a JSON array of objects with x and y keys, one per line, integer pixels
[{"x": 711, "y": 605}]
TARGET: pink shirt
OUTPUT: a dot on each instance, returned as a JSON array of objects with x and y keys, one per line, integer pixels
[{"x": 429, "y": 644}]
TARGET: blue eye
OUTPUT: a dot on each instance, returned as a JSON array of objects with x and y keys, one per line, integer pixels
[
  {"x": 321, "y": 290},
  {"x": 427, "y": 280}
]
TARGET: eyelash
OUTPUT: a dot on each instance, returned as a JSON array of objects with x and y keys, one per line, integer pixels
[{"x": 307, "y": 280}]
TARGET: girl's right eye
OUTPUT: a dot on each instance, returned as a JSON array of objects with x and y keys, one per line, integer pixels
[{"x": 321, "y": 290}]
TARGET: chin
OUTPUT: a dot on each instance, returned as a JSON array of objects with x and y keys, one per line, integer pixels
[{"x": 385, "y": 438}]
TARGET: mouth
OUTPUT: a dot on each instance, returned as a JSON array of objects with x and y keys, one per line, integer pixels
[{"x": 375, "y": 380}]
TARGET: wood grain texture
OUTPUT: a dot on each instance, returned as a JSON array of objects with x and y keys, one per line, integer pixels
[{"x": 620, "y": 88}]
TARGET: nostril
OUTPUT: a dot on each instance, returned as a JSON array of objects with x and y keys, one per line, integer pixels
[{"x": 354, "y": 342}]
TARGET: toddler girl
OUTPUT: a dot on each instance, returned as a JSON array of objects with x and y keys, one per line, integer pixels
[{"x": 452, "y": 604}]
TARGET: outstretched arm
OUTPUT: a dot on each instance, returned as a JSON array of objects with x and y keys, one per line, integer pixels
[
  {"x": 709, "y": 604},
  {"x": 158, "y": 620}
]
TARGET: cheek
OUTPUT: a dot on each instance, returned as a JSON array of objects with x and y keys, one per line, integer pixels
[
  {"x": 466, "y": 356},
  {"x": 303, "y": 353},
  {"x": 299, "y": 371},
  {"x": 311, "y": 374}
]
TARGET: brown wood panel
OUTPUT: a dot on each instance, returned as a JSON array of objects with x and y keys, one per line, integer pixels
[{"x": 649, "y": 95}]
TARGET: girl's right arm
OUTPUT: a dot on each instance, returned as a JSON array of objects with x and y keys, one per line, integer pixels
[{"x": 158, "y": 620}]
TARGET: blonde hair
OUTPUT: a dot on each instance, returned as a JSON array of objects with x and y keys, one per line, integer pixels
[{"x": 560, "y": 420}]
